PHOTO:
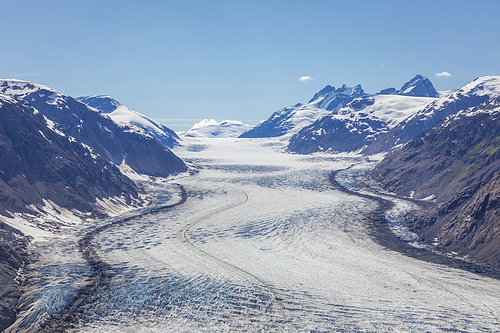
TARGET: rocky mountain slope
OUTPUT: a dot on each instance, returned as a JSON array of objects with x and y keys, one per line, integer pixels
[
  {"x": 472, "y": 94},
  {"x": 290, "y": 120},
  {"x": 116, "y": 142},
  {"x": 13, "y": 255},
  {"x": 361, "y": 121},
  {"x": 457, "y": 164},
  {"x": 48, "y": 180},
  {"x": 43, "y": 167}
]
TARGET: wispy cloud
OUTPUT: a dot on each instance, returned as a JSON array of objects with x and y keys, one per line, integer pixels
[
  {"x": 305, "y": 78},
  {"x": 443, "y": 74}
]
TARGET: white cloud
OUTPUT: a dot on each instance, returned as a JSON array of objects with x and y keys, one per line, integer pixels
[
  {"x": 443, "y": 74},
  {"x": 305, "y": 78}
]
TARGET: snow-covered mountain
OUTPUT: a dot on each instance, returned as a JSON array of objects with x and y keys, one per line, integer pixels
[
  {"x": 116, "y": 142},
  {"x": 122, "y": 115},
  {"x": 472, "y": 94},
  {"x": 290, "y": 120},
  {"x": 358, "y": 123},
  {"x": 213, "y": 129}
]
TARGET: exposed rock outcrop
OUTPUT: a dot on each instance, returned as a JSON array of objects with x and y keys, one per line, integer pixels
[{"x": 457, "y": 164}]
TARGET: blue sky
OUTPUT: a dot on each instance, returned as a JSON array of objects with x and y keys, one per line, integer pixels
[{"x": 181, "y": 61}]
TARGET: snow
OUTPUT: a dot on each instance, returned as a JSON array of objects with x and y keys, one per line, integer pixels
[
  {"x": 21, "y": 89},
  {"x": 132, "y": 120},
  {"x": 123, "y": 115},
  {"x": 390, "y": 109},
  {"x": 492, "y": 108},
  {"x": 211, "y": 128},
  {"x": 262, "y": 243},
  {"x": 482, "y": 86},
  {"x": 300, "y": 117}
]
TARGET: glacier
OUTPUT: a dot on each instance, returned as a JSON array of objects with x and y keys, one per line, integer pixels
[{"x": 261, "y": 241}]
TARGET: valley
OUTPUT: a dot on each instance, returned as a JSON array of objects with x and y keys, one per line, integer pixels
[{"x": 255, "y": 240}]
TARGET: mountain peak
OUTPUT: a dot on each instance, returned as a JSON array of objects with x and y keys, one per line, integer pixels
[
  {"x": 419, "y": 86},
  {"x": 322, "y": 93},
  {"x": 331, "y": 99}
]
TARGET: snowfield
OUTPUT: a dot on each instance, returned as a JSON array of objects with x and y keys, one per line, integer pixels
[{"x": 260, "y": 242}]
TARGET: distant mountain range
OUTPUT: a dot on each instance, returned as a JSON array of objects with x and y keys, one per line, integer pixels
[
  {"x": 345, "y": 119},
  {"x": 290, "y": 120},
  {"x": 472, "y": 94},
  {"x": 213, "y": 129},
  {"x": 357, "y": 124}
]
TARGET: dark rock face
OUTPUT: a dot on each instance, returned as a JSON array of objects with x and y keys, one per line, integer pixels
[
  {"x": 37, "y": 163},
  {"x": 453, "y": 154},
  {"x": 146, "y": 155},
  {"x": 13, "y": 255},
  {"x": 470, "y": 222},
  {"x": 470, "y": 95},
  {"x": 458, "y": 163},
  {"x": 97, "y": 130},
  {"x": 102, "y": 103},
  {"x": 388, "y": 91}
]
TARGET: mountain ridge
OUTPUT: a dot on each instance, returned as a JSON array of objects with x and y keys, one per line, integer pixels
[
  {"x": 290, "y": 120},
  {"x": 470, "y": 95},
  {"x": 362, "y": 120},
  {"x": 117, "y": 143}
]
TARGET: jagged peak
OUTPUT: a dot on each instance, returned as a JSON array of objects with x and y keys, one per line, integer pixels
[
  {"x": 329, "y": 93},
  {"x": 419, "y": 86},
  {"x": 323, "y": 92}
]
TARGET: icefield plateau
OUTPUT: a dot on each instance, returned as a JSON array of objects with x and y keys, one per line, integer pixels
[{"x": 256, "y": 241}]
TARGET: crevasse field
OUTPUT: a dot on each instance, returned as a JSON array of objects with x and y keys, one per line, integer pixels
[{"x": 262, "y": 243}]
